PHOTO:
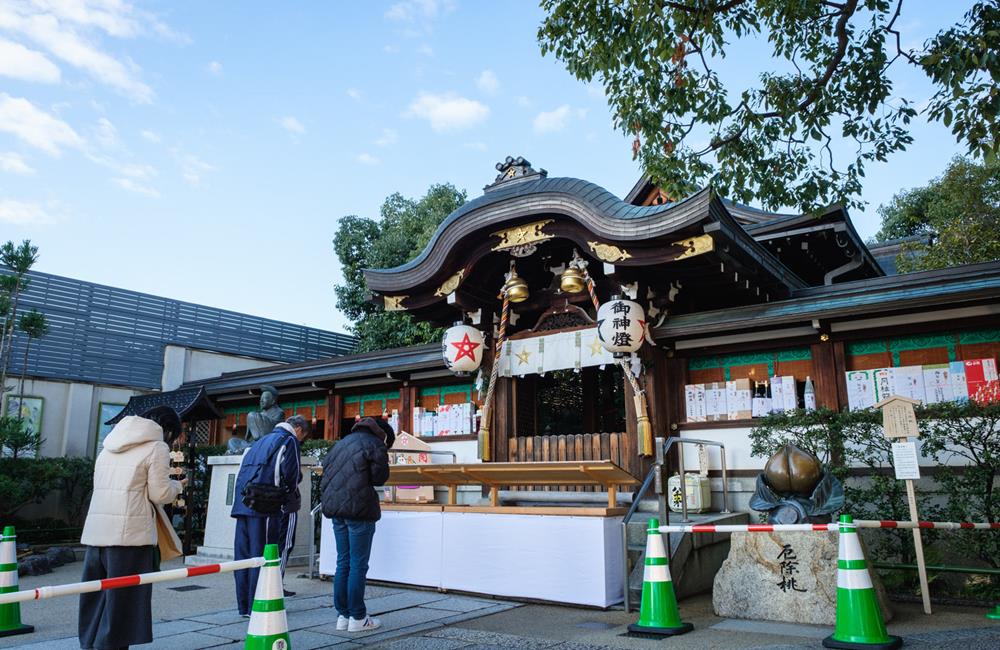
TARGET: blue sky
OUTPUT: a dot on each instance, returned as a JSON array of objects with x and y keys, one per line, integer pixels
[{"x": 205, "y": 151}]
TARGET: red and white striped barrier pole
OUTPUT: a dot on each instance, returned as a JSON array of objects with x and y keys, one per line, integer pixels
[
  {"x": 805, "y": 528},
  {"x": 128, "y": 581}
]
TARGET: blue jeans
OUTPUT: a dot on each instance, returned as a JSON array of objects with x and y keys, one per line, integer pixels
[{"x": 354, "y": 545}]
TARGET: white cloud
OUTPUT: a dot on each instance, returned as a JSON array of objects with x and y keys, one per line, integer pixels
[
  {"x": 65, "y": 30},
  {"x": 34, "y": 126},
  {"x": 354, "y": 94},
  {"x": 151, "y": 136},
  {"x": 214, "y": 68},
  {"x": 292, "y": 125},
  {"x": 19, "y": 62},
  {"x": 387, "y": 138},
  {"x": 478, "y": 146},
  {"x": 426, "y": 50},
  {"x": 192, "y": 167},
  {"x": 448, "y": 112},
  {"x": 106, "y": 134},
  {"x": 368, "y": 159},
  {"x": 416, "y": 18},
  {"x": 14, "y": 163},
  {"x": 138, "y": 188},
  {"x": 558, "y": 119},
  {"x": 390, "y": 49},
  {"x": 413, "y": 10},
  {"x": 488, "y": 82},
  {"x": 523, "y": 101},
  {"x": 23, "y": 213}
]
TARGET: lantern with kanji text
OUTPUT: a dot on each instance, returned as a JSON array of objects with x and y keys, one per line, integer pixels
[{"x": 621, "y": 326}]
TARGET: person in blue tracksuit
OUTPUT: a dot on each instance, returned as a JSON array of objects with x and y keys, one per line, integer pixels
[{"x": 272, "y": 460}]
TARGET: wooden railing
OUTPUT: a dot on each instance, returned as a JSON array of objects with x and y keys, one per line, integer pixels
[{"x": 619, "y": 448}]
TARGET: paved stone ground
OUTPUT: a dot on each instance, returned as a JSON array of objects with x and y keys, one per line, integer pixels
[{"x": 427, "y": 620}]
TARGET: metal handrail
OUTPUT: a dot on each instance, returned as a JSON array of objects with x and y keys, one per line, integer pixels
[
  {"x": 312, "y": 539},
  {"x": 680, "y": 463},
  {"x": 650, "y": 476},
  {"x": 627, "y": 518}
]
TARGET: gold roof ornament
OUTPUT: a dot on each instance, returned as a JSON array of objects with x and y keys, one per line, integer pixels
[
  {"x": 394, "y": 303},
  {"x": 518, "y": 236},
  {"x": 695, "y": 246},
  {"x": 450, "y": 284},
  {"x": 608, "y": 253}
]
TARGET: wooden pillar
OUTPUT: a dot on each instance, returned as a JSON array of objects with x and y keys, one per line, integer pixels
[
  {"x": 503, "y": 412},
  {"x": 826, "y": 380},
  {"x": 407, "y": 400},
  {"x": 334, "y": 414},
  {"x": 840, "y": 367}
]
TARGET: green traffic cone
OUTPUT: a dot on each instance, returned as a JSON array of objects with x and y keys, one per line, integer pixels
[
  {"x": 268, "y": 629},
  {"x": 995, "y": 614},
  {"x": 859, "y": 620},
  {"x": 10, "y": 615},
  {"x": 658, "y": 614}
]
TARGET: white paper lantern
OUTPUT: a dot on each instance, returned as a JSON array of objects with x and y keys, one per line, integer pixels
[
  {"x": 621, "y": 325},
  {"x": 462, "y": 348}
]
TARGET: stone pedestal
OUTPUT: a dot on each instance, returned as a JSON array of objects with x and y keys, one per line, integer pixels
[
  {"x": 789, "y": 577},
  {"x": 220, "y": 528}
]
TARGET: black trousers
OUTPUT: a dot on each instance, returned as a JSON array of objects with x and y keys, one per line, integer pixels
[{"x": 116, "y": 618}]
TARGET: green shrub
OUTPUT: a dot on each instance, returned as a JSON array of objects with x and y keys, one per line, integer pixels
[{"x": 967, "y": 491}]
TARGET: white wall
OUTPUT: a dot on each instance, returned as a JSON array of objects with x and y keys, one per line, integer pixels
[
  {"x": 182, "y": 365},
  {"x": 70, "y": 413}
]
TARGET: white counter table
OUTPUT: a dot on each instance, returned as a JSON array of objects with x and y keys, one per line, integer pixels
[{"x": 560, "y": 554}]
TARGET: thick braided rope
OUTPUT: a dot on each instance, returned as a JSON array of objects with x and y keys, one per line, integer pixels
[{"x": 484, "y": 426}]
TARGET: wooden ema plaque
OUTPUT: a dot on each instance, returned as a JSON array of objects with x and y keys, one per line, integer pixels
[{"x": 408, "y": 450}]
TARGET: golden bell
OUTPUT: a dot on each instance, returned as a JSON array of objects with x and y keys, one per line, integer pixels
[
  {"x": 572, "y": 281},
  {"x": 516, "y": 288}
]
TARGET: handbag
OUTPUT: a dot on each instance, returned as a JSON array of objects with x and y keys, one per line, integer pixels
[
  {"x": 166, "y": 537},
  {"x": 265, "y": 498}
]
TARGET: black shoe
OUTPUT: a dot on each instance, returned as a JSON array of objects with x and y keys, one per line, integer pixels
[{"x": 288, "y": 593}]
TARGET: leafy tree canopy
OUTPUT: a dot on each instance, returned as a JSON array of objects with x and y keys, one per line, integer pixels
[
  {"x": 960, "y": 209},
  {"x": 399, "y": 234},
  {"x": 772, "y": 139}
]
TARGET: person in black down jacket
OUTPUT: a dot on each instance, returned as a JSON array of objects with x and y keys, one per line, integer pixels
[{"x": 351, "y": 470}]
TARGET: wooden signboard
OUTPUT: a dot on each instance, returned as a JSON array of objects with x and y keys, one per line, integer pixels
[
  {"x": 900, "y": 424},
  {"x": 408, "y": 450}
]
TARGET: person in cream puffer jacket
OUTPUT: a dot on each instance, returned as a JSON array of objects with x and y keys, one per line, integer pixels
[{"x": 131, "y": 477}]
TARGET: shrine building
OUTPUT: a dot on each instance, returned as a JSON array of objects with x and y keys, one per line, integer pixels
[{"x": 744, "y": 312}]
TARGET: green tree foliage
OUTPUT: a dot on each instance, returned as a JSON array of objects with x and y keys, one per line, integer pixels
[
  {"x": 399, "y": 234},
  {"x": 34, "y": 326},
  {"x": 961, "y": 210},
  {"x": 772, "y": 139},
  {"x": 17, "y": 260}
]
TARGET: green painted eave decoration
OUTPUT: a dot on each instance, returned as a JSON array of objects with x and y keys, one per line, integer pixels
[
  {"x": 769, "y": 358},
  {"x": 949, "y": 341},
  {"x": 440, "y": 391}
]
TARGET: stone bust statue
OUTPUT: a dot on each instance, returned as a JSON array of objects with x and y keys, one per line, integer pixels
[{"x": 262, "y": 422}]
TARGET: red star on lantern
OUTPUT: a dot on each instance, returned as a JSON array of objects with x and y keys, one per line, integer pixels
[{"x": 466, "y": 348}]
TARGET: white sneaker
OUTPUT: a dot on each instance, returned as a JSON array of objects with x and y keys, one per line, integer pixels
[
  {"x": 341, "y": 623},
  {"x": 367, "y": 624}
]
